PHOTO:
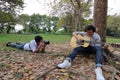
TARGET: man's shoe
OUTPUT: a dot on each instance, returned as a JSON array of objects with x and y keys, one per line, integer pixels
[
  {"x": 65, "y": 64},
  {"x": 99, "y": 75},
  {"x": 7, "y": 44}
]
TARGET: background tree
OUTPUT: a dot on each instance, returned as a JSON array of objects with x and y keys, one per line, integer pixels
[
  {"x": 65, "y": 22},
  {"x": 24, "y": 20},
  {"x": 35, "y": 21},
  {"x": 54, "y": 21},
  {"x": 80, "y": 8},
  {"x": 8, "y": 10},
  {"x": 113, "y": 25},
  {"x": 11, "y": 6},
  {"x": 6, "y": 21},
  {"x": 48, "y": 23},
  {"x": 113, "y": 21},
  {"x": 76, "y": 9},
  {"x": 100, "y": 17}
]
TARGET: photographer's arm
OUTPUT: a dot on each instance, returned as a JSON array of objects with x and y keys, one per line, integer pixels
[{"x": 39, "y": 47}]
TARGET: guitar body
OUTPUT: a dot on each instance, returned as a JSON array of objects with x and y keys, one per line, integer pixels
[{"x": 74, "y": 43}]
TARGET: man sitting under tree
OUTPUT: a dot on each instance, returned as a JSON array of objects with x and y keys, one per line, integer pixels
[{"x": 93, "y": 47}]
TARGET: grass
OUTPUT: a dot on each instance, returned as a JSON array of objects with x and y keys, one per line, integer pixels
[
  {"x": 4, "y": 38},
  {"x": 112, "y": 40},
  {"x": 51, "y": 37},
  {"x": 27, "y": 38}
]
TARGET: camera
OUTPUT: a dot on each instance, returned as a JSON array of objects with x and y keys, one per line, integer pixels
[{"x": 46, "y": 42}]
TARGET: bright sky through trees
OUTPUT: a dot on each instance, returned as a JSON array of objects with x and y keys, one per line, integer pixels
[{"x": 39, "y": 6}]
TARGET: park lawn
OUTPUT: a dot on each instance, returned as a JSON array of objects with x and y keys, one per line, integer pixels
[
  {"x": 51, "y": 37},
  {"x": 4, "y": 38},
  {"x": 26, "y": 38},
  {"x": 112, "y": 40}
]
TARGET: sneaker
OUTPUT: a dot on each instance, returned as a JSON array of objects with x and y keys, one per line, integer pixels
[
  {"x": 99, "y": 75},
  {"x": 7, "y": 44},
  {"x": 65, "y": 64}
]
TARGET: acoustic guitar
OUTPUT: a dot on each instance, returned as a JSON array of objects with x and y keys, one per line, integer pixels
[
  {"x": 74, "y": 43},
  {"x": 85, "y": 43}
]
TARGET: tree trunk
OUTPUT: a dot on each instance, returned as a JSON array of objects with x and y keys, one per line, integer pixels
[
  {"x": 77, "y": 14},
  {"x": 100, "y": 17}
]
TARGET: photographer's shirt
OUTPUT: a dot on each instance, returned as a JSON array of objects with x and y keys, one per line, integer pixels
[{"x": 31, "y": 46}]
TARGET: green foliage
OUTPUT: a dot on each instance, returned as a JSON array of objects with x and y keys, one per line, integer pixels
[
  {"x": 11, "y": 6},
  {"x": 34, "y": 23},
  {"x": 64, "y": 7},
  {"x": 71, "y": 13},
  {"x": 6, "y": 17},
  {"x": 64, "y": 22},
  {"x": 86, "y": 8},
  {"x": 54, "y": 21},
  {"x": 113, "y": 25},
  {"x": 87, "y": 21},
  {"x": 113, "y": 21},
  {"x": 8, "y": 10},
  {"x": 37, "y": 23},
  {"x": 23, "y": 19}
]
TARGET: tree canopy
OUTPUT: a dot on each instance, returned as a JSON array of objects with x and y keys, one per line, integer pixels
[
  {"x": 8, "y": 12},
  {"x": 11, "y": 6}
]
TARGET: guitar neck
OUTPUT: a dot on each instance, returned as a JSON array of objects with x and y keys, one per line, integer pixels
[{"x": 95, "y": 42}]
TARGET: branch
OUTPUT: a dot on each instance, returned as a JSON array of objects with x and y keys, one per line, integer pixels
[
  {"x": 48, "y": 71},
  {"x": 79, "y": 3},
  {"x": 73, "y": 5},
  {"x": 111, "y": 61},
  {"x": 114, "y": 52},
  {"x": 84, "y": 8}
]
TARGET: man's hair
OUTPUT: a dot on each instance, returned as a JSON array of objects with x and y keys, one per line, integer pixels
[
  {"x": 38, "y": 38},
  {"x": 90, "y": 27}
]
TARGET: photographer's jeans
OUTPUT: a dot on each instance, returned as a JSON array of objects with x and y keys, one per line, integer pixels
[
  {"x": 90, "y": 49},
  {"x": 17, "y": 45}
]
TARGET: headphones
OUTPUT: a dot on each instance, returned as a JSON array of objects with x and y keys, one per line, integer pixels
[{"x": 90, "y": 27}]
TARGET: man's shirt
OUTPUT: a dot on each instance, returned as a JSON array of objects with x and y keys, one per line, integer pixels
[
  {"x": 95, "y": 39},
  {"x": 31, "y": 46}
]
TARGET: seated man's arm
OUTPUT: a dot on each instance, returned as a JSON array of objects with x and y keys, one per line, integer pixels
[{"x": 75, "y": 34}]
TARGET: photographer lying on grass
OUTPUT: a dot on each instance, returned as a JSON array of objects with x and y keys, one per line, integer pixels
[{"x": 36, "y": 45}]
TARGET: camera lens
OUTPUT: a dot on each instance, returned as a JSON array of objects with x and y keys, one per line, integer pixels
[{"x": 46, "y": 42}]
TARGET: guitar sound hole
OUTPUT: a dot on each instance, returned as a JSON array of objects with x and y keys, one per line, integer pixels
[{"x": 79, "y": 43}]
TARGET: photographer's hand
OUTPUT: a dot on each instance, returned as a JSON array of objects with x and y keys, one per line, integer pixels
[{"x": 40, "y": 46}]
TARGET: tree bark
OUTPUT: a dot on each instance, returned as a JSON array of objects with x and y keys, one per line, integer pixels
[
  {"x": 77, "y": 14},
  {"x": 100, "y": 17}
]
